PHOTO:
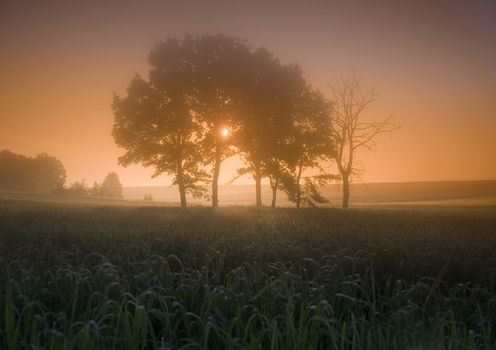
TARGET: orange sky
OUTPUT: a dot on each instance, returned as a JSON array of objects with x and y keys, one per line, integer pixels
[{"x": 432, "y": 61}]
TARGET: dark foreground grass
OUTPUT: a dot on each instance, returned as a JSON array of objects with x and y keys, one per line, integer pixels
[{"x": 164, "y": 278}]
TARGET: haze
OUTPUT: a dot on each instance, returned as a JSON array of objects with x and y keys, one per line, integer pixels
[{"x": 432, "y": 62}]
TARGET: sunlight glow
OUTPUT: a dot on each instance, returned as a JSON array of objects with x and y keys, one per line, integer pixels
[{"x": 225, "y": 132}]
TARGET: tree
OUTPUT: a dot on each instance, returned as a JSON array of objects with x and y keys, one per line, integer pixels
[
  {"x": 154, "y": 123},
  {"x": 49, "y": 173},
  {"x": 16, "y": 172},
  {"x": 193, "y": 81},
  {"x": 78, "y": 188},
  {"x": 280, "y": 153},
  {"x": 310, "y": 145},
  {"x": 206, "y": 98},
  {"x": 110, "y": 187},
  {"x": 265, "y": 117},
  {"x": 95, "y": 189},
  {"x": 40, "y": 174},
  {"x": 285, "y": 129},
  {"x": 219, "y": 63},
  {"x": 349, "y": 130}
]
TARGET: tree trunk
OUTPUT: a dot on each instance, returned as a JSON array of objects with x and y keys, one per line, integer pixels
[
  {"x": 215, "y": 178},
  {"x": 298, "y": 188},
  {"x": 180, "y": 183},
  {"x": 274, "y": 192},
  {"x": 182, "y": 193},
  {"x": 258, "y": 186},
  {"x": 346, "y": 191}
]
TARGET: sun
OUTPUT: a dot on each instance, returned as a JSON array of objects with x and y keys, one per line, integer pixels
[{"x": 225, "y": 132}]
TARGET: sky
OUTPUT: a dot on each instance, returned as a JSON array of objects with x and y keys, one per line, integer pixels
[{"x": 432, "y": 62}]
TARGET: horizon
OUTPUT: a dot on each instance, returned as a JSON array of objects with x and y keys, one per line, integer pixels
[{"x": 334, "y": 184}]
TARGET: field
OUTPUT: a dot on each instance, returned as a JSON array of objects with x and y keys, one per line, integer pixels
[{"x": 107, "y": 276}]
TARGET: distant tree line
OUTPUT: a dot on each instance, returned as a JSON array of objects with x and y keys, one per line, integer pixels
[
  {"x": 46, "y": 174},
  {"x": 42, "y": 173},
  {"x": 110, "y": 187},
  {"x": 209, "y": 97}
]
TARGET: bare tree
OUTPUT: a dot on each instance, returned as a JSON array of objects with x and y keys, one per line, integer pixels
[{"x": 349, "y": 131}]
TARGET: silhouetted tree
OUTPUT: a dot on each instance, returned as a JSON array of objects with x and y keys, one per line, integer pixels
[
  {"x": 266, "y": 116},
  {"x": 350, "y": 131},
  {"x": 16, "y": 172},
  {"x": 49, "y": 173},
  {"x": 284, "y": 129},
  {"x": 40, "y": 174},
  {"x": 78, "y": 188},
  {"x": 95, "y": 189},
  {"x": 310, "y": 145},
  {"x": 198, "y": 88},
  {"x": 155, "y": 124},
  {"x": 110, "y": 187},
  {"x": 279, "y": 155},
  {"x": 219, "y": 63}
]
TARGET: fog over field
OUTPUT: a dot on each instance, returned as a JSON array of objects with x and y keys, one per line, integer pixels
[{"x": 414, "y": 193}]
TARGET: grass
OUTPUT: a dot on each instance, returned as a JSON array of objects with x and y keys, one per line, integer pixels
[{"x": 108, "y": 277}]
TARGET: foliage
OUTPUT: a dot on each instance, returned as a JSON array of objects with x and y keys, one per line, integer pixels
[
  {"x": 155, "y": 125},
  {"x": 200, "y": 85},
  {"x": 78, "y": 188},
  {"x": 266, "y": 112},
  {"x": 95, "y": 189},
  {"x": 308, "y": 193},
  {"x": 219, "y": 64},
  {"x": 285, "y": 124},
  {"x": 311, "y": 145},
  {"x": 156, "y": 278},
  {"x": 43, "y": 173},
  {"x": 110, "y": 187}
]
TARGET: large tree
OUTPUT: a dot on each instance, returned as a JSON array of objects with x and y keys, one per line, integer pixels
[
  {"x": 265, "y": 119},
  {"x": 310, "y": 146},
  {"x": 219, "y": 65},
  {"x": 155, "y": 125},
  {"x": 199, "y": 76},
  {"x": 284, "y": 130},
  {"x": 349, "y": 129},
  {"x": 280, "y": 155},
  {"x": 206, "y": 98}
]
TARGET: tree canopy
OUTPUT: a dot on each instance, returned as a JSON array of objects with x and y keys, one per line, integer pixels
[
  {"x": 42, "y": 173},
  {"x": 208, "y": 97},
  {"x": 155, "y": 125},
  {"x": 110, "y": 187}
]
